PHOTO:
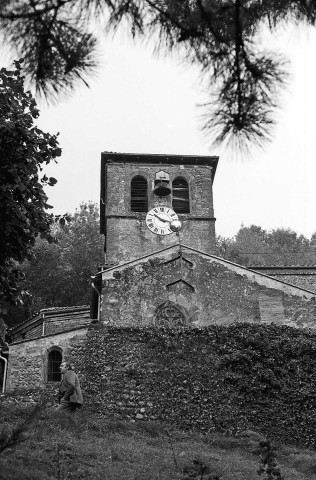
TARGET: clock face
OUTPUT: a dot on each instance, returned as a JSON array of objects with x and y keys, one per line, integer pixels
[{"x": 158, "y": 220}]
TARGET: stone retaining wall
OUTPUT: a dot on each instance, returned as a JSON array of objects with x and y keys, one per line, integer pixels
[
  {"x": 222, "y": 377},
  {"x": 227, "y": 378}
]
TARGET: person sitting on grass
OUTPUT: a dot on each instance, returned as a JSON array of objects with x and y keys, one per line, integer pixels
[{"x": 70, "y": 396}]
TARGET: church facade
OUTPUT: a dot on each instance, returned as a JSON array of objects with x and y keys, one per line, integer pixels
[
  {"x": 153, "y": 271},
  {"x": 160, "y": 270}
]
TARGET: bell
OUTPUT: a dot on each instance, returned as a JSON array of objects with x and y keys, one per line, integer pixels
[{"x": 162, "y": 188}]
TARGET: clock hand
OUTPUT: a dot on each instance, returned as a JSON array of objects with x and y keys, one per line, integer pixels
[{"x": 161, "y": 219}]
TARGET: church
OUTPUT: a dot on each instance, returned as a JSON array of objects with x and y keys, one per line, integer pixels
[{"x": 161, "y": 269}]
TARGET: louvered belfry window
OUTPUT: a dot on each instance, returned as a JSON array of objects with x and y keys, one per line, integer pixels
[
  {"x": 139, "y": 198},
  {"x": 180, "y": 195},
  {"x": 53, "y": 370}
]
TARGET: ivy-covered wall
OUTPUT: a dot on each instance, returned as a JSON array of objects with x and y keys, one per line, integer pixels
[{"x": 230, "y": 378}]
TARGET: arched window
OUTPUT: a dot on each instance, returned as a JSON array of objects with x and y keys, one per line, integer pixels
[
  {"x": 54, "y": 360},
  {"x": 180, "y": 195},
  {"x": 139, "y": 198}
]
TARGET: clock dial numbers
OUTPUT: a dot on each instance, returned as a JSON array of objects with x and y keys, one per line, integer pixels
[{"x": 158, "y": 220}]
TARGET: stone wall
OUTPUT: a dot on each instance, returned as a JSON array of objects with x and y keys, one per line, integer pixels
[
  {"x": 303, "y": 281},
  {"x": 27, "y": 366},
  {"x": 227, "y": 378},
  {"x": 208, "y": 290},
  {"x": 303, "y": 277}
]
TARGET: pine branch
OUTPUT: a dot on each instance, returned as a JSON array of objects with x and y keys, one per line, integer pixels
[{"x": 35, "y": 11}]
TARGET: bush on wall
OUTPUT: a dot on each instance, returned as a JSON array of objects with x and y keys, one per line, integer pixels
[{"x": 221, "y": 377}]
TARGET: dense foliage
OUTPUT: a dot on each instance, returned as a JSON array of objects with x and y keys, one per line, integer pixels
[
  {"x": 24, "y": 150},
  {"x": 58, "y": 274},
  {"x": 225, "y": 378},
  {"x": 280, "y": 247},
  {"x": 3, "y": 330},
  {"x": 221, "y": 37}
]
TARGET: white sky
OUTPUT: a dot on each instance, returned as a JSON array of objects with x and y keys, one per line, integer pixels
[{"x": 142, "y": 104}]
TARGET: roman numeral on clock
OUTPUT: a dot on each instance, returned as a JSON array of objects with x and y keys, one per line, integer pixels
[{"x": 158, "y": 219}]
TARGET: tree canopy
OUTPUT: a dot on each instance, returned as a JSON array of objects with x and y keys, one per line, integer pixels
[
  {"x": 59, "y": 41},
  {"x": 24, "y": 149},
  {"x": 254, "y": 246},
  {"x": 58, "y": 274},
  {"x": 3, "y": 331}
]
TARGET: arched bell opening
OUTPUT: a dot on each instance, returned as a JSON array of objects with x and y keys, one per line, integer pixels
[
  {"x": 139, "y": 194},
  {"x": 180, "y": 195}
]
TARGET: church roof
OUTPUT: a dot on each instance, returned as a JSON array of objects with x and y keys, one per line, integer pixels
[
  {"x": 160, "y": 158},
  {"x": 51, "y": 321},
  {"x": 113, "y": 157}
]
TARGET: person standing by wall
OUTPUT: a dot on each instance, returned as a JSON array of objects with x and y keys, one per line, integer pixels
[{"x": 70, "y": 396}]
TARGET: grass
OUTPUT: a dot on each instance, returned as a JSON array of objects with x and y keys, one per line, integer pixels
[{"x": 87, "y": 446}]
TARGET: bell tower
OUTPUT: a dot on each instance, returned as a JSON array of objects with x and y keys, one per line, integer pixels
[{"x": 142, "y": 194}]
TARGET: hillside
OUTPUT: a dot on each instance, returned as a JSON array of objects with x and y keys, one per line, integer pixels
[{"x": 85, "y": 446}]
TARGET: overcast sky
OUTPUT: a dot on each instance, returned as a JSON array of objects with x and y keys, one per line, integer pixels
[{"x": 142, "y": 104}]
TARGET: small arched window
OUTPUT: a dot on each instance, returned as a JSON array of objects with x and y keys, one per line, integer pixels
[
  {"x": 53, "y": 371},
  {"x": 180, "y": 195},
  {"x": 139, "y": 197}
]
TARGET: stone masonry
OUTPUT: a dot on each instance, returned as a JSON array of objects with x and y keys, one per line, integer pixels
[
  {"x": 126, "y": 234},
  {"x": 28, "y": 359},
  {"x": 205, "y": 289}
]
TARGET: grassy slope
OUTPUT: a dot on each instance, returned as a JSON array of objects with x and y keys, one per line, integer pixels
[{"x": 85, "y": 446}]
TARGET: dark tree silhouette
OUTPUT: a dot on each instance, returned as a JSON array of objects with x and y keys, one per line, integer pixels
[
  {"x": 24, "y": 149},
  {"x": 220, "y": 36}
]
